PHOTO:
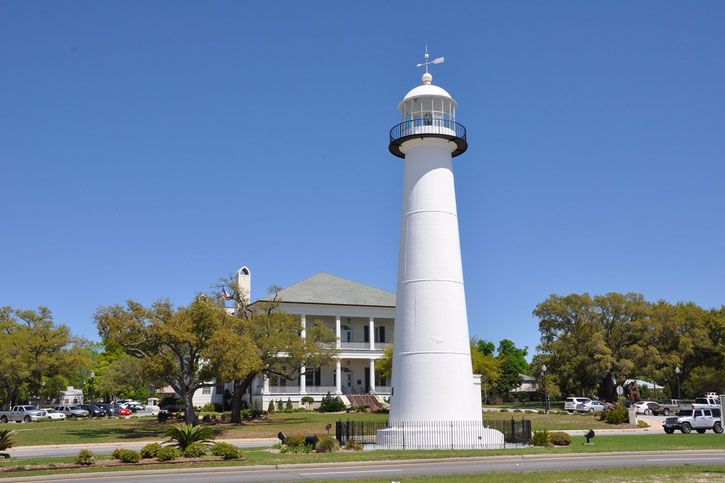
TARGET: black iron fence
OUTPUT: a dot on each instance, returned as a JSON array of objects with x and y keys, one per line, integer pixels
[
  {"x": 437, "y": 434},
  {"x": 416, "y": 127}
]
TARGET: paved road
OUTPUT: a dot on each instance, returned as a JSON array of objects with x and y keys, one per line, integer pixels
[{"x": 398, "y": 469}]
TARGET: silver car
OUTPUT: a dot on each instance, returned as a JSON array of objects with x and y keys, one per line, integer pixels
[{"x": 72, "y": 411}]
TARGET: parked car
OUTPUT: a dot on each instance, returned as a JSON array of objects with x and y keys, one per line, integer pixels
[
  {"x": 698, "y": 419},
  {"x": 572, "y": 402},
  {"x": 123, "y": 411},
  {"x": 21, "y": 414},
  {"x": 72, "y": 411},
  {"x": 647, "y": 407},
  {"x": 135, "y": 407},
  {"x": 590, "y": 407},
  {"x": 54, "y": 415},
  {"x": 670, "y": 406},
  {"x": 94, "y": 411},
  {"x": 110, "y": 411}
]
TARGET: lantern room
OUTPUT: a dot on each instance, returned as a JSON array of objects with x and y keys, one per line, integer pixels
[{"x": 428, "y": 111}]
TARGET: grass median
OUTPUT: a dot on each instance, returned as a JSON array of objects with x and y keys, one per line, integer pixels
[{"x": 101, "y": 430}]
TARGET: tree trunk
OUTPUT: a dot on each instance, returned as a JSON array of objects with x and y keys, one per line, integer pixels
[
  {"x": 240, "y": 387},
  {"x": 189, "y": 413},
  {"x": 237, "y": 403}
]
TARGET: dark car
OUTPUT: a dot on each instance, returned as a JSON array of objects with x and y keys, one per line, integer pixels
[
  {"x": 94, "y": 411},
  {"x": 136, "y": 407},
  {"x": 108, "y": 408}
]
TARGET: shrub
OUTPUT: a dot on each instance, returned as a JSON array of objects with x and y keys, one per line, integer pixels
[
  {"x": 227, "y": 415},
  {"x": 186, "y": 434},
  {"x": 331, "y": 404},
  {"x": 642, "y": 424},
  {"x": 209, "y": 408},
  {"x": 85, "y": 457},
  {"x": 116, "y": 455},
  {"x": 280, "y": 406},
  {"x": 540, "y": 438},
  {"x": 150, "y": 450},
  {"x": 289, "y": 404},
  {"x": 129, "y": 456},
  {"x": 195, "y": 450},
  {"x": 307, "y": 400},
  {"x": 517, "y": 411},
  {"x": 226, "y": 451},
  {"x": 270, "y": 408},
  {"x": 502, "y": 410},
  {"x": 354, "y": 445},
  {"x": 327, "y": 445},
  {"x": 617, "y": 415},
  {"x": 168, "y": 453},
  {"x": 295, "y": 440},
  {"x": 558, "y": 438}
]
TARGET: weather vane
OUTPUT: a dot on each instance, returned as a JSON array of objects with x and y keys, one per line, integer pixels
[{"x": 427, "y": 62}]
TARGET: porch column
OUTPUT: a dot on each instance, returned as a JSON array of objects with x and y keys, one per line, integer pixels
[
  {"x": 372, "y": 375},
  {"x": 265, "y": 385},
  {"x": 338, "y": 373},
  {"x": 338, "y": 334},
  {"x": 303, "y": 378},
  {"x": 372, "y": 333}
]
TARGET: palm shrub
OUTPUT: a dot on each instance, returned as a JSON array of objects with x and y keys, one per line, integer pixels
[
  {"x": 195, "y": 450},
  {"x": 186, "y": 434},
  {"x": 327, "y": 445},
  {"x": 85, "y": 457},
  {"x": 150, "y": 450},
  {"x": 6, "y": 438},
  {"x": 226, "y": 451},
  {"x": 167, "y": 453}
]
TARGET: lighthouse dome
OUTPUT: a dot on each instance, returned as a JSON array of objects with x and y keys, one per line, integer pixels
[{"x": 427, "y": 90}]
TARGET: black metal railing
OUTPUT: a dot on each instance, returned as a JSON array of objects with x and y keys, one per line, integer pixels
[
  {"x": 437, "y": 434},
  {"x": 417, "y": 127}
]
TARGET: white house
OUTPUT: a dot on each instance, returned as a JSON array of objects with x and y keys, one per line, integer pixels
[{"x": 362, "y": 318}]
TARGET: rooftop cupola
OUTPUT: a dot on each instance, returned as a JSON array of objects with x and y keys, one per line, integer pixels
[{"x": 428, "y": 111}]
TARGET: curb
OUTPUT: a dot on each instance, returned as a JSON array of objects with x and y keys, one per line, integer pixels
[{"x": 222, "y": 469}]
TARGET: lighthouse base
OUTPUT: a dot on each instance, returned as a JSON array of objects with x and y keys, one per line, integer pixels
[{"x": 438, "y": 435}]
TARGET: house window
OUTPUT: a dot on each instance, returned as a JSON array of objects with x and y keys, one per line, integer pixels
[
  {"x": 380, "y": 333},
  {"x": 312, "y": 377},
  {"x": 206, "y": 390}
]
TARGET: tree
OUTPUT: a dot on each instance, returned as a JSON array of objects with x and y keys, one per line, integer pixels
[
  {"x": 172, "y": 342},
  {"x": 266, "y": 342},
  {"x": 34, "y": 347},
  {"x": 485, "y": 364}
]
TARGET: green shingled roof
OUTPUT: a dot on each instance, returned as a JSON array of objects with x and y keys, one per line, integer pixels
[{"x": 327, "y": 289}]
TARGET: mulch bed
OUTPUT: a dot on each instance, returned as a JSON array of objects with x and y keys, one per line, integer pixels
[{"x": 146, "y": 462}]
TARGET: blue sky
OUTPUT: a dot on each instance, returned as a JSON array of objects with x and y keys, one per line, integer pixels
[{"x": 148, "y": 148}]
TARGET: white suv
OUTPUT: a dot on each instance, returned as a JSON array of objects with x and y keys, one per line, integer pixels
[{"x": 572, "y": 402}]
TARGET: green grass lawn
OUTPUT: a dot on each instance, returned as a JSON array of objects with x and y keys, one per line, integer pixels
[{"x": 137, "y": 429}]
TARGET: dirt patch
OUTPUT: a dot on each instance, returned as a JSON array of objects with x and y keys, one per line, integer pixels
[{"x": 146, "y": 462}]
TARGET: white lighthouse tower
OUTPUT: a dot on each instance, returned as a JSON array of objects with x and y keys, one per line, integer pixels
[{"x": 436, "y": 400}]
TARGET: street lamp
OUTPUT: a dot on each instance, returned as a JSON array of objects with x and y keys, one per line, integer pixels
[
  {"x": 546, "y": 396},
  {"x": 677, "y": 371},
  {"x": 93, "y": 376}
]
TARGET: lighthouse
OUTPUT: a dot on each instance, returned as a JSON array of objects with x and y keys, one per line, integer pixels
[{"x": 436, "y": 399}]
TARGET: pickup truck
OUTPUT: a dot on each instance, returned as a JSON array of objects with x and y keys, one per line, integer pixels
[
  {"x": 706, "y": 403},
  {"x": 671, "y": 406},
  {"x": 22, "y": 414},
  {"x": 698, "y": 419}
]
